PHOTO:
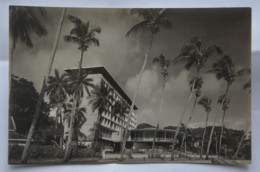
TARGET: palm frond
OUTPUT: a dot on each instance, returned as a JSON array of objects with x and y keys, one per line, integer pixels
[{"x": 140, "y": 26}]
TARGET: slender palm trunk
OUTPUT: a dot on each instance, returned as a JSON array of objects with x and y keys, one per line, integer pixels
[
  {"x": 135, "y": 95},
  {"x": 56, "y": 123},
  {"x": 213, "y": 126},
  {"x": 181, "y": 119},
  {"x": 186, "y": 126},
  {"x": 11, "y": 62},
  {"x": 97, "y": 131},
  {"x": 40, "y": 99},
  {"x": 160, "y": 110},
  {"x": 221, "y": 133},
  {"x": 73, "y": 116},
  {"x": 71, "y": 129},
  {"x": 240, "y": 143},
  {"x": 204, "y": 133}
]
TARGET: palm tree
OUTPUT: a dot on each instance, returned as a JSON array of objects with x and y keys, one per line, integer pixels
[
  {"x": 84, "y": 35},
  {"x": 193, "y": 54},
  {"x": 77, "y": 86},
  {"x": 120, "y": 109},
  {"x": 164, "y": 64},
  {"x": 80, "y": 118},
  {"x": 23, "y": 22},
  {"x": 247, "y": 86},
  {"x": 205, "y": 102},
  {"x": 197, "y": 86},
  {"x": 241, "y": 140},
  {"x": 224, "y": 108},
  {"x": 56, "y": 90},
  {"x": 224, "y": 68},
  {"x": 42, "y": 92},
  {"x": 153, "y": 20},
  {"x": 101, "y": 101}
]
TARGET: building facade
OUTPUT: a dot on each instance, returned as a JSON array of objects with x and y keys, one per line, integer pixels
[
  {"x": 143, "y": 138},
  {"x": 111, "y": 127}
]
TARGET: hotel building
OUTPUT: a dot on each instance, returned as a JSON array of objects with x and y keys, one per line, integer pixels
[{"x": 112, "y": 126}]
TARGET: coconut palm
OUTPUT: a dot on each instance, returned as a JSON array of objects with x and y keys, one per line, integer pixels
[
  {"x": 224, "y": 108},
  {"x": 84, "y": 35},
  {"x": 193, "y": 54},
  {"x": 196, "y": 88},
  {"x": 101, "y": 100},
  {"x": 56, "y": 90},
  {"x": 247, "y": 86},
  {"x": 23, "y": 23},
  {"x": 80, "y": 118},
  {"x": 224, "y": 68},
  {"x": 153, "y": 20},
  {"x": 206, "y": 103},
  {"x": 42, "y": 92},
  {"x": 240, "y": 142},
  {"x": 164, "y": 64},
  {"x": 77, "y": 86}
]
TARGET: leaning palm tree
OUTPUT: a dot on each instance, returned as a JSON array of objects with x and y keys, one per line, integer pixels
[
  {"x": 42, "y": 92},
  {"x": 193, "y": 54},
  {"x": 196, "y": 87},
  {"x": 84, "y": 35},
  {"x": 164, "y": 64},
  {"x": 247, "y": 86},
  {"x": 101, "y": 100},
  {"x": 224, "y": 108},
  {"x": 224, "y": 68},
  {"x": 77, "y": 86},
  {"x": 56, "y": 90},
  {"x": 241, "y": 141},
  {"x": 23, "y": 23},
  {"x": 153, "y": 20},
  {"x": 206, "y": 103}
]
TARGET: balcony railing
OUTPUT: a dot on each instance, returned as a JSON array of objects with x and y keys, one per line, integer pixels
[{"x": 158, "y": 139}]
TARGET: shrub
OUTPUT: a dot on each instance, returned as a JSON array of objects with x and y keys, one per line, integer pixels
[
  {"x": 85, "y": 153},
  {"x": 45, "y": 152},
  {"x": 15, "y": 152}
]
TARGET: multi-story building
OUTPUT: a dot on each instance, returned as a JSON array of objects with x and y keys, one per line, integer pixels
[{"x": 112, "y": 126}]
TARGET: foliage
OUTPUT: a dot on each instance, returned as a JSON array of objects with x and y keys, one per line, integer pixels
[
  {"x": 24, "y": 21},
  {"x": 56, "y": 89},
  {"x": 153, "y": 19},
  {"x": 83, "y": 34},
  {"x": 85, "y": 153},
  {"x": 23, "y": 99},
  {"x": 194, "y": 54},
  {"x": 101, "y": 98},
  {"x": 163, "y": 62},
  {"x": 46, "y": 152},
  {"x": 15, "y": 152},
  {"x": 78, "y": 85},
  {"x": 206, "y": 103},
  {"x": 225, "y": 68}
]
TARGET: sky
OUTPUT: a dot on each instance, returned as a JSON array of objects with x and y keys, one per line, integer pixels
[{"x": 123, "y": 57}]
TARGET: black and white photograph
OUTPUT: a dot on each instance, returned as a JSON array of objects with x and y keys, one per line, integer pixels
[{"x": 129, "y": 85}]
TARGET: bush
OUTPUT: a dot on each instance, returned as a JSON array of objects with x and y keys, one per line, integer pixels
[
  {"x": 85, "y": 153},
  {"x": 46, "y": 152},
  {"x": 15, "y": 152}
]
